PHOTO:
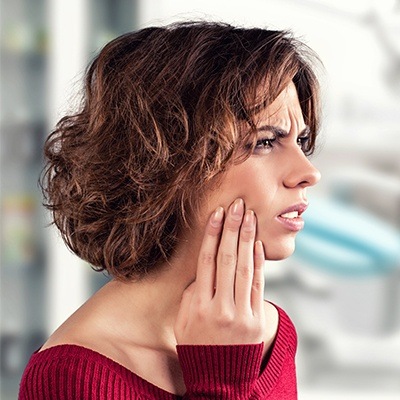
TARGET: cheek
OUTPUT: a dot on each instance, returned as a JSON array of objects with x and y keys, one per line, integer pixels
[
  {"x": 254, "y": 182},
  {"x": 258, "y": 188}
]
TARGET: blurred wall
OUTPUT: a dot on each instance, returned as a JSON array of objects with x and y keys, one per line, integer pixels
[{"x": 45, "y": 47}]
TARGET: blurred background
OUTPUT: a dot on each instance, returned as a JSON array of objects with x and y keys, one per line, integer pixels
[{"x": 342, "y": 286}]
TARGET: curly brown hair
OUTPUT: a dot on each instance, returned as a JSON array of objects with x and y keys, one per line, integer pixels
[{"x": 164, "y": 112}]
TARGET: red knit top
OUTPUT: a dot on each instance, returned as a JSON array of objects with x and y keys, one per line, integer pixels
[{"x": 210, "y": 372}]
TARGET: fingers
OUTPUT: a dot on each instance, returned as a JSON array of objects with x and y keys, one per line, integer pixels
[
  {"x": 207, "y": 256},
  {"x": 225, "y": 303},
  {"x": 245, "y": 263},
  {"x": 257, "y": 290},
  {"x": 228, "y": 252},
  {"x": 230, "y": 264}
]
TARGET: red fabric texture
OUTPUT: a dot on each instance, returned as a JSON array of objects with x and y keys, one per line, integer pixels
[{"x": 71, "y": 372}]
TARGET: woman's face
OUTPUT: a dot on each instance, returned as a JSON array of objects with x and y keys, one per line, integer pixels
[{"x": 273, "y": 181}]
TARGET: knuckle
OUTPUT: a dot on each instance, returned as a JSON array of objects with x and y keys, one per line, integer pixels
[
  {"x": 246, "y": 236},
  {"x": 207, "y": 258},
  {"x": 232, "y": 225},
  {"x": 258, "y": 285},
  {"x": 225, "y": 319},
  {"x": 245, "y": 271},
  {"x": 213, "y": 230},
  {"x": 201, "y": 311},
  {"x": 228, "y": 259}
]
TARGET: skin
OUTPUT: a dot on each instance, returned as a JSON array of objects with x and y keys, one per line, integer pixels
[
  {"x": 268, "y": 182},
  {"x": 272, "y": 179},
  {"x": 212, "y": 290}
]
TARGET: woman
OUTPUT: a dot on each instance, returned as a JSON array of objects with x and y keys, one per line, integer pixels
[{"x": 185, "y": 168}]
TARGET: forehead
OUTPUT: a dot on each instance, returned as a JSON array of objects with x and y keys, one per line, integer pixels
[{"x": 285, "y": 110}]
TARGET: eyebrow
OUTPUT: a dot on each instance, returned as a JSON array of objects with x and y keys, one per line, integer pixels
[{"x": 281, "y": 133}]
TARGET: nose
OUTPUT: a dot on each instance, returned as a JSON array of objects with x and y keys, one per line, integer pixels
[{"x": 301, "y": 172}]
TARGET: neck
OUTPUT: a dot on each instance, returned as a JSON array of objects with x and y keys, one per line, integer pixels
[{"x": 143, "y": 313}]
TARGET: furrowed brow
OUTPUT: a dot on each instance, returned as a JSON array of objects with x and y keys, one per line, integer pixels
[
  {"x": 306, "y": 131},
  {"x": 278, "y": 132},
  {"x": 281, "y": 133}
]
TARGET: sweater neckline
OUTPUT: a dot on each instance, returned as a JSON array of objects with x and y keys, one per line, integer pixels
[
  {"x": 285, "y": 342},
  {"x": 74, "y": 351},
  {"x": 285, "y": 338}
]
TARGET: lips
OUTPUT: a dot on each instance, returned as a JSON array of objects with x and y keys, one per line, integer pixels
[
  {"x": 290, "y": 215},
  {"x": 291, "y": 219}
]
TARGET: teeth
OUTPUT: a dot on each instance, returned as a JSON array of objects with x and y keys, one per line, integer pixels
[{"x": 293, "y": 214}]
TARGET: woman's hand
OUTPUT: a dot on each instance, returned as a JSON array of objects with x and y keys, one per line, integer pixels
[{"x": 225, "y": 304}]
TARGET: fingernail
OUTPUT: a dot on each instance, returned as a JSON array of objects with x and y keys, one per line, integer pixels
[
  {"x": 216, "y": 218},
  {"x": 249, "y": 218},
  {"x": 259, "y": 248},
  {"x": 237, "y": 208}
]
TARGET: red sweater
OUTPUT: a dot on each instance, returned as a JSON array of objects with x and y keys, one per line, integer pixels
[{"x": 70, "y": 372}]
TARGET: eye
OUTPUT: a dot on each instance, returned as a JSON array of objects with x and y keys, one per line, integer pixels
[
  {"x": 264, "y": 144},
  {"x": 304, "y": 142}
]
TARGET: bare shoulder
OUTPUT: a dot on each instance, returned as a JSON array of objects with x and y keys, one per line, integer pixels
[
  {"x": 74, "y": 330},
  {"x": 86, "y": 327}
]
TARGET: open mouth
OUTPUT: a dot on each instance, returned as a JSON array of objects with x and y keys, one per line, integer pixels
[{"x": 290, "y": 215}]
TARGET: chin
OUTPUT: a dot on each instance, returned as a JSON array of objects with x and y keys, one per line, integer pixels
[{"x": 279, "y": 251}]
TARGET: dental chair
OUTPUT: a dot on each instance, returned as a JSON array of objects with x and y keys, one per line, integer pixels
[{"x": 347, "y": 261}]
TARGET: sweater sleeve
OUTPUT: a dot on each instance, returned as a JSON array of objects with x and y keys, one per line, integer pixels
[
  {"x": 65, "y": 374},
  {"x": 220, "y": 372}
]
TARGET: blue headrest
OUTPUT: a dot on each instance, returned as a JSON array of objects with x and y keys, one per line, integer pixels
[{"x": 347, "y": 240}]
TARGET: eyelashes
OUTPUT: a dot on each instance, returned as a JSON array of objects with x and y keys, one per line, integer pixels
[
  {"x": 265, "y": 145},
  {"x": 304, "y": 142}
]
